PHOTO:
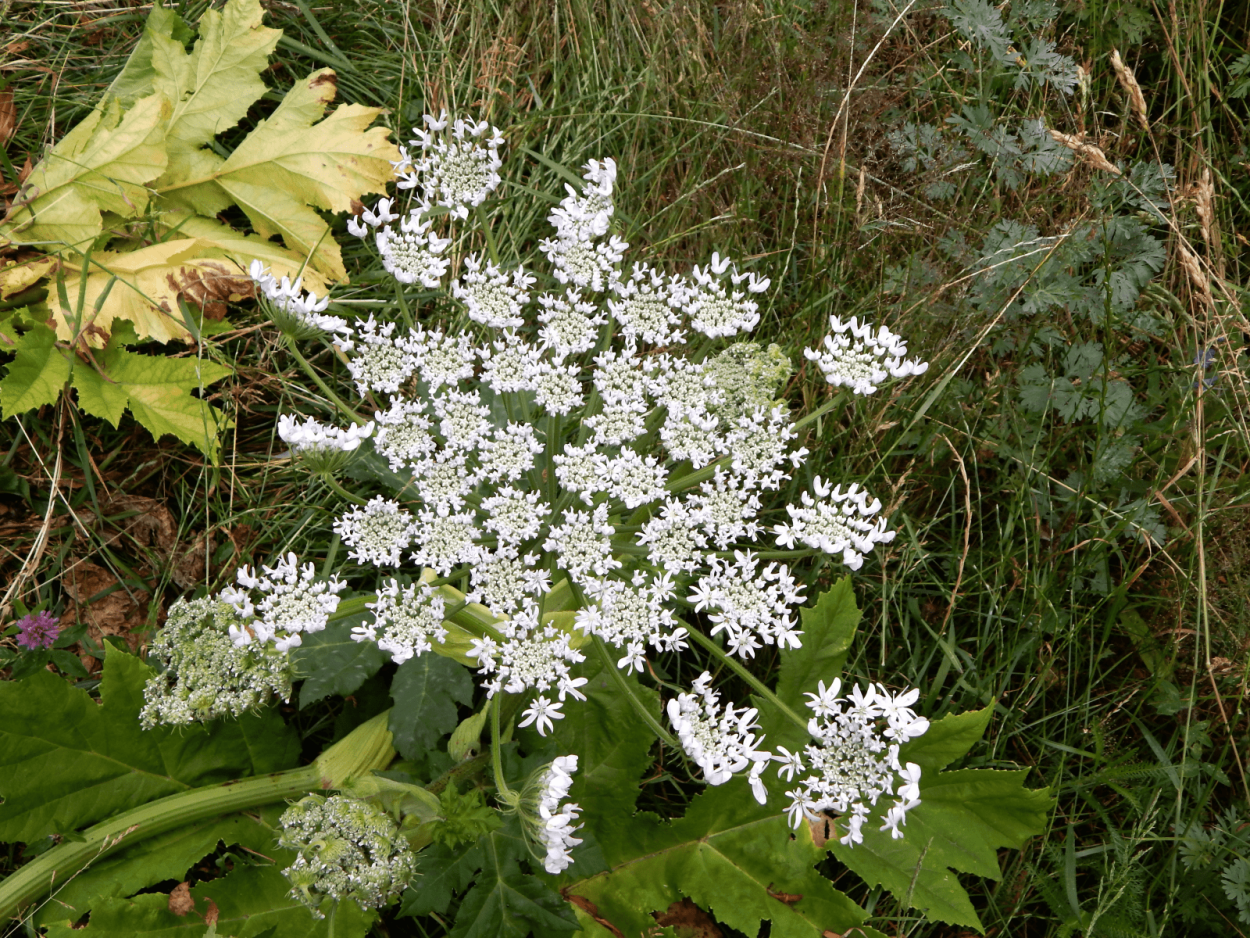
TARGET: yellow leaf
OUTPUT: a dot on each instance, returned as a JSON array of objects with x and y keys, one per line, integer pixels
[
  {"x": 17, "y": 277},
  {"x": 289, "y": 163},
  {"x": 146, "y": 290},
  {"x": 222, "y": 241},
  {"x": 205, "y": 263},
  {"x": 213, "y": 87},
  {"x": 102, "y": 164}
]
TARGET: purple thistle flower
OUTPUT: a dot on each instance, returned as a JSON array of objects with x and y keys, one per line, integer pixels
[{"x": 37, "y": 630}]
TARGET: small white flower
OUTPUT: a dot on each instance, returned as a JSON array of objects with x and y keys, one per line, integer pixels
[
  {"x": 445, "y": 540},
  {"x": 751, "y": 604},
  {"x": 632, "y": 618},
  {"x": 293, "y": 602},
  {"x": 838, "y": 524},
  {"x": 583, "y": 544},
  {"x": 381, "y": 362},
  {"x": 455, "y": 170},
  {"x": 314, "y": 437},
  {"x": 851, "y": 762},
  {"x": 862, "y": 360},
  {"x": 403, "y": 435},
  {"x": 509, "y": 452},
  {"x": 541, "y": 712},
  {"x": 510, "y": 364},
  {"x": 493, "y": 297},
  {"x": 570, "y": 324},
  {"x": 649, "y": 306},
  {"x": 557, "y": 389},
  {"x": 717, "y": 310},
  {"x": 414, "y": 253},
  {"x": 514, "y": 515}
]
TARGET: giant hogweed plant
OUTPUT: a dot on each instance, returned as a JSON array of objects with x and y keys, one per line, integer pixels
[{"x": 557, "y": 505}]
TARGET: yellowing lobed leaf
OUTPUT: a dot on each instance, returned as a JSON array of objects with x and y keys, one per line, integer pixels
[
  {"x": 102, "y": 164},
  {"x": 17, "y": 277},
  {"x": 145, "y": 287},
  {"x": 206, "y": 266},
  {"x": 289, "y": 163},
  {"x": 149, "y": 136},
  {"x": 214, "y": 85}
]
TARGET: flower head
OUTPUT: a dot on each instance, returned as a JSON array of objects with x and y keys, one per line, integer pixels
[
  {"x": 206, "y": 674},
  {"x": 37, "y": 630},
  {"x": 720, "y": 740},
  {"x": 864, "y": 359},
  {"x": 346, "y": 849},
  {"x": 292, "y": 602},
  {"x": 853, "y": 759},
  {"x": 548, "y": 824}
]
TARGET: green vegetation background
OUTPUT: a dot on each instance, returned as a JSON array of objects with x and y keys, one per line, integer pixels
[{"x": 1067, "y": 480}]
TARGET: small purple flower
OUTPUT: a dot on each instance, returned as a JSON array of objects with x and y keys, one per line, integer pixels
[{"x": 37, "y": 630}]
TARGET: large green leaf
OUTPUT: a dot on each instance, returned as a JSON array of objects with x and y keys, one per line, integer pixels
[
  {"x": 331, "y": 663},
  {"x": 442, "y": 874},
  {"x": 506, "y": 903},
  {"x": 249, "y": 901},
  {"x": 102, "y": 164},
  {"x": 212, "y": 87},
  {"x": 426, "y": 690},
  {"x": 166, "y": 856},
  {"x": 728, "y": 855},
  {"x": 964, "y": 816},
  {"x": 828, "y": 629},
  {"x": 294, "y": 161},
  {"x": 36, "y": 376},
  {"x": 613, "y": 748},
  {"x": 158, "y": 392},
  {"x": 67, "y": 762}
]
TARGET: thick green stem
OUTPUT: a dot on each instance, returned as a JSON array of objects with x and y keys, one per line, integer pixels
[
  {"x": 338, "y": 489},
  {"x": 496, "y": 753},
  {"x": 366, "y": 748},
  {"x": 756, "y": 684},
  {"x": 818, "y": 412},
  {"x": 323, "y": 387},
  {"x": 639, "y": 707}
]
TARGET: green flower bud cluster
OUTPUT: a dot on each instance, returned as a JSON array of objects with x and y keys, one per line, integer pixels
[
  {"x": 205, "y": 674},
  {"x": 748, "y": 377},
  {"x": 348, "y": 849}
]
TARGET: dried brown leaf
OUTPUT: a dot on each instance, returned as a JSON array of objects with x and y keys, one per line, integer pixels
[{"x": 8, "y": 116}]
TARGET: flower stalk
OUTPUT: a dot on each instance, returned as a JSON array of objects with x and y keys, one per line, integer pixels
[{"x": 366, "y": 748}]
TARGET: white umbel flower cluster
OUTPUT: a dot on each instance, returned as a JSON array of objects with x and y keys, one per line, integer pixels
[
  {"x": 298, "y": 314},
  {"x": 853, "y": 760},
  {"x": 530, "y": 655},
  {"x": 377, "y": 533},
  {"x": 312, "y": 437},
  {"x": 839, "y": 523},
  {"x": 864, "y": 359},
  {"x": 720, "y": 740},
  {"x": 548, "y": 824},
  {"x": 206, "y": 675},
  {"x": 346, "y": 849},
  {"x": 575, "y": 444},
  {"x": 406, "y": 620},
  {"x": 458, "y": 166},
  {"x": 292, "y": 603}
]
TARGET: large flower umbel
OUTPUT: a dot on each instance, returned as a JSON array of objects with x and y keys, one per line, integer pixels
[{"x": 853, "y": 758}]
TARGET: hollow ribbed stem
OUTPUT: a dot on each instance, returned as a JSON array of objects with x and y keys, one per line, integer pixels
[
  {"x": 365, "y": 748},
  {"x": 323, "y": 387},
  {"x": 506, "y": 794},
  {"x": 639, "y": 707},
  {"x": 338, "y": 489},
  {"x": 756, "y": 684},
  {"x": 818, "y": 412}
]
